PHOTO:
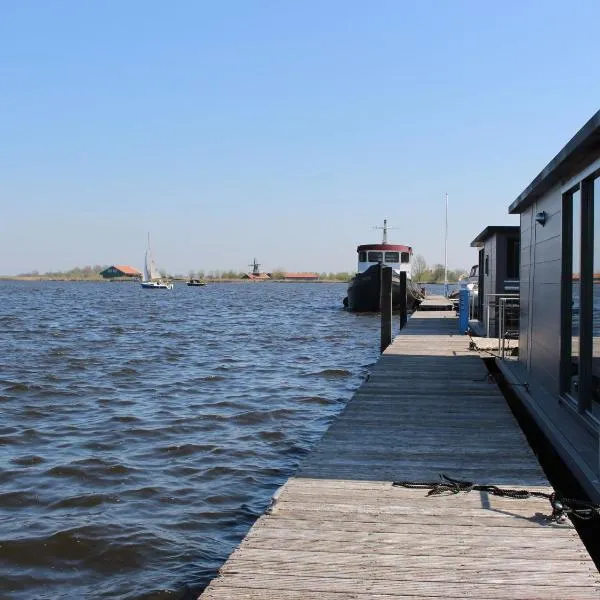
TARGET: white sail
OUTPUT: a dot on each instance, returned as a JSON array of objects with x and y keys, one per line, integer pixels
[
  {"x": 151, "y": 266},
  {"x": 150, "y": 271},
  {"x": 146, "y": 267}
]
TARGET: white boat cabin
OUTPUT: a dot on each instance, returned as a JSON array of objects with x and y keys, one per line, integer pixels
[{"x": 391, "y": 255}]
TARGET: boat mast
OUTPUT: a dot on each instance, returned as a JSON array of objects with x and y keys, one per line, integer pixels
[
  {"x": 385, "y": 229},
  {"x": 446, "y": 250}
]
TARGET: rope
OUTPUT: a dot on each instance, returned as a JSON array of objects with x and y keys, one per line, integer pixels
[
  {"x": 473, "y": 346},
  {"x": 561, "y": 507}
]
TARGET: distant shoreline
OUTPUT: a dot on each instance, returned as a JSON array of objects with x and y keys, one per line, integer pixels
[{"x": 38, "y": 278}]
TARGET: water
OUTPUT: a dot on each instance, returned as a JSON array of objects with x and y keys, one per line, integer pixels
[{"x": 144, "y": 431}]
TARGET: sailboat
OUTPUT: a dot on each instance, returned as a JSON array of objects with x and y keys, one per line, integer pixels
[{"x": 152, "y": 279}]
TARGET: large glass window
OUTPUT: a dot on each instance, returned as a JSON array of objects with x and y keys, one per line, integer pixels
[
  {"x": 405, "y": 257},
  {"x": 596, "y": 294},
  {"x": 512, "y": 258},
  {"x": 392, "y": 257},
  {"x": 575, "y": 295},
  {"x": 580, "y": 373},
  {"x": 375, "y": 256},
  {"x": 362, "y": 257}
]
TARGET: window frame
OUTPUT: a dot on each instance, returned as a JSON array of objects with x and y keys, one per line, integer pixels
[
  {"x": 378, "y": 260},
  {"x": 583, "y": 400},
  {"x": 513, "y": 257}
]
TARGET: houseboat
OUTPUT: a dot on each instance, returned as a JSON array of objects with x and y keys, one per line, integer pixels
[
  {"x": 494, "y": 299},
  {"x": 363, "y": 294},
  {"x": 557, "y": 374}
]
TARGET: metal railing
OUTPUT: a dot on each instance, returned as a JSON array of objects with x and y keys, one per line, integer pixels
[
  {"x": 508, "y": 322},
  {"x": 492, "y": 307}
]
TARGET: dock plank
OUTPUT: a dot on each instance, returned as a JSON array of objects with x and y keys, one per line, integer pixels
[
  {"x": 339, "y": 529},
  {"x": 436, "y": 303}
]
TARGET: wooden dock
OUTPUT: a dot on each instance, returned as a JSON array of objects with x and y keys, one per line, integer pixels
[
  {"x": 436, "y": 303},
  {"x": 339, "y": 529}
]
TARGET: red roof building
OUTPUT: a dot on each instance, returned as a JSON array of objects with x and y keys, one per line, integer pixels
[
  {"x": 120, "y": 271},
  {"x": 301, "y": 276}
]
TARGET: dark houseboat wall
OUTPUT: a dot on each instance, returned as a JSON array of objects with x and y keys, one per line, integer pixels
[
  {"x": 556, "y": 375},
  {"x": 539, "y": 341},
  {"x": 498, "y": 276}
]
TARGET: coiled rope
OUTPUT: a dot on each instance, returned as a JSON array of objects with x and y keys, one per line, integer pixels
[{"x": 561, "y": 507}]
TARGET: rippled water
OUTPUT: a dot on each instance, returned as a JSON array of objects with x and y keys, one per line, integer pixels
[{"x": 144, "y": 431}]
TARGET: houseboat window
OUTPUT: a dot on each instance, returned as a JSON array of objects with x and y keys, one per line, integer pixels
[
  {"x": 362, "y": 257},
  {"x": 487, "y": 265},
  {"x": 392, "y": 257},
  {"x": 375, "y": 256},
  {"x": 478, "y": 312},
  {"x": 512, "y": 258},
  {"x": 596, "y": 297},
  {"x": 573, "y": 379},
  {"x": 405, "y": 257}
]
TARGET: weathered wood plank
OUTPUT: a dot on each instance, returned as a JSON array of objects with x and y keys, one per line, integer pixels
[
  {"x": 440, "y": 531},
  {"x": 491, "y": 551},
  {"x": 364, "y": 561},
  {"x": 416, "y": 540},
  {"x": 494, "y": 574},
  {"x": 298, "y": 488},
  {"x": 552, "y": 590},
  {"x": 342, "y": 486},
  {"x": 264, "y": 594},
  {"x": 523, "y": 475},
  {"x": 393, "y": 498},
  {"x": 411, "y": 517}
]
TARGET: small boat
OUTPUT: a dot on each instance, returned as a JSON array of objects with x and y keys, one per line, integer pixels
[
  {"x": 363, "y": 294},
  {"x": 470, "y": 282},
  {"x": 196, "y": 282},
  {"x": 152, "y": 279}
]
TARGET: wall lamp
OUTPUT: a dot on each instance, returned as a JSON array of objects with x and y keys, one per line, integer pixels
[{"x": 541, "y": 218}]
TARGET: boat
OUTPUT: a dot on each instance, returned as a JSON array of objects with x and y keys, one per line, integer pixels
[
  {"x": 363, "y": 294},
  {"x": 152, "y": 279},
  {"x": 196, "y": 282},
  {"x": 469, "y": 282}
]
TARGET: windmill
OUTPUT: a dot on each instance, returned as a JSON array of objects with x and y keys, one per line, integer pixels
[{"x": 255, "y": 267}]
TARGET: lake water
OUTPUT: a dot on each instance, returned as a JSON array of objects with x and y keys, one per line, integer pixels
[{"x": 144, "y": 431}]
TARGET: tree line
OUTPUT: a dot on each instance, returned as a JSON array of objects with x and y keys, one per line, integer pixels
[
  {"x": 89, "y": 272},
  {"x": 278, "y": 273},
  {"x": 92, "y": 273},
  {"x": 421, "y": 273}
]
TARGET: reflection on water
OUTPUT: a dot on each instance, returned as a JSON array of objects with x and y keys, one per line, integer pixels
[{"x": 144, "y": 431}]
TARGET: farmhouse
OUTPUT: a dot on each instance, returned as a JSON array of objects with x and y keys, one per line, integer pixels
[{"x": 121, "y": 271}]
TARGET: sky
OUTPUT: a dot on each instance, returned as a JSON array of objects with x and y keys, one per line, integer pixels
[{"x": 278, "y": 130}]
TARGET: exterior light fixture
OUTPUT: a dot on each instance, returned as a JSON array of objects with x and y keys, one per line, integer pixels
[{"x": 541, "y": 218}]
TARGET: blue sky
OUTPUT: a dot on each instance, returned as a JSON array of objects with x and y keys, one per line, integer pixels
[{"x": 275, "y": 129}]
